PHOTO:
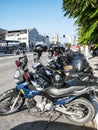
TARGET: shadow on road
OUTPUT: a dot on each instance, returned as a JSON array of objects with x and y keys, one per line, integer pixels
[{"x": 41, "y": 125}]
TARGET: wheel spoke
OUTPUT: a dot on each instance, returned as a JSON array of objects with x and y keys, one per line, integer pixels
[
  {"x": 10, "y": 104},
  {"x": 84, "y": 111}
]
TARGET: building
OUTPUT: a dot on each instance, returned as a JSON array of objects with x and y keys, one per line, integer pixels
[
  {"x": 26, "y": 38},
  {"x": 2, "y": 40},
  {"x": 70, "y": 39},
  {"x": 55, "y": 38},
  {"x": 2, "y": 34}
]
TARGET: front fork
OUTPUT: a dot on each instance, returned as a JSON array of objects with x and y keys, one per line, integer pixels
[{"x": 15, "y": 101}]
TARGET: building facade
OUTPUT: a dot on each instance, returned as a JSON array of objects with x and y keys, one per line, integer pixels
[
  {"x": 2, "y": 34},
  {"x": 27, "y": 38}
]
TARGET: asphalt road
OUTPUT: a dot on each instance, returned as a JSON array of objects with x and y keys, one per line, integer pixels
[{"x": 23, "y": 120}]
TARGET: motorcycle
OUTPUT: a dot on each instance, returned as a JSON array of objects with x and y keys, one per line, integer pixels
[{"x": 55, "y": 95}]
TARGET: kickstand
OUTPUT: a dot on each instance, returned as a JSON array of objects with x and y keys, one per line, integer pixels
[{"x": 50, "y": 119}]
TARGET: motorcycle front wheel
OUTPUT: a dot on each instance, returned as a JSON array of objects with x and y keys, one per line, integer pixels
[
  {"x": 83, "y": 111},
  {"x": 10, "y": 102}
]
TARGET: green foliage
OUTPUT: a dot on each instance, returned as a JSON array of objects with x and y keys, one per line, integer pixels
[{"x": 85, "y": 13}]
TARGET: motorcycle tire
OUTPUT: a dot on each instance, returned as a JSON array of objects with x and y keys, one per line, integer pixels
[
  {"x": 7, "y": 99},
  {"x": 84, "y": 109}
]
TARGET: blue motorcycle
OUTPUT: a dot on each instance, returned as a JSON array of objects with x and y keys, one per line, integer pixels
[{"x": 46, "y": 92}]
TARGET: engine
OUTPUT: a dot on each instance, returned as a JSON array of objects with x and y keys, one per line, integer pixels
[{"x": 43, "y": 104}]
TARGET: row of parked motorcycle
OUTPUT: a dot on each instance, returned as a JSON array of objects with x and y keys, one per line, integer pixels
[{"x": 64, "y": 85}]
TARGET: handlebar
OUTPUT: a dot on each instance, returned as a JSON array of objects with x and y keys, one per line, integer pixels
[{"x": 22, "y": 62}]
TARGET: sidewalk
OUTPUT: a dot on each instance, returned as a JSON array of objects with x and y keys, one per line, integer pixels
[
  {"x": 4, "y": 55},
  {"x": 93, "y": 62}
]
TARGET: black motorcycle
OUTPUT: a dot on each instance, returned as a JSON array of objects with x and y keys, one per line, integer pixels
[{"x": 53, "y": 93}]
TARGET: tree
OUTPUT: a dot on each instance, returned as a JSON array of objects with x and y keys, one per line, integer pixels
[{"x": 85, "y": 13}]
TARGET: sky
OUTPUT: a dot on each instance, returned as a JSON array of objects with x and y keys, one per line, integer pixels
[{"x": 46, "y": 16}]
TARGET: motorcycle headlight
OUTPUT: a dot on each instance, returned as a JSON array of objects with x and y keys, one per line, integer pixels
[
  {"x": 18, "y": 77},
  {"x": 17, "y": 74}
]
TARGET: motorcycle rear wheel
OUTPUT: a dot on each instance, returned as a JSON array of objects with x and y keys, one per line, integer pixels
[
  {"x": 84, "y": 109},
  {"x": 7, "y": 100}
]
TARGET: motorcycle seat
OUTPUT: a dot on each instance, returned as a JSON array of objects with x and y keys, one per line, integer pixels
[{"x": 69, "y": 89}]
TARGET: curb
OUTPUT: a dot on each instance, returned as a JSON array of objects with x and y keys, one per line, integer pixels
[
  {"x": 92, "y": 62},
  {"x": 12, "y": 56}
]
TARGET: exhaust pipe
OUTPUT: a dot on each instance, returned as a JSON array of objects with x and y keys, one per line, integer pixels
[{"x": 62, "y": 110}]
